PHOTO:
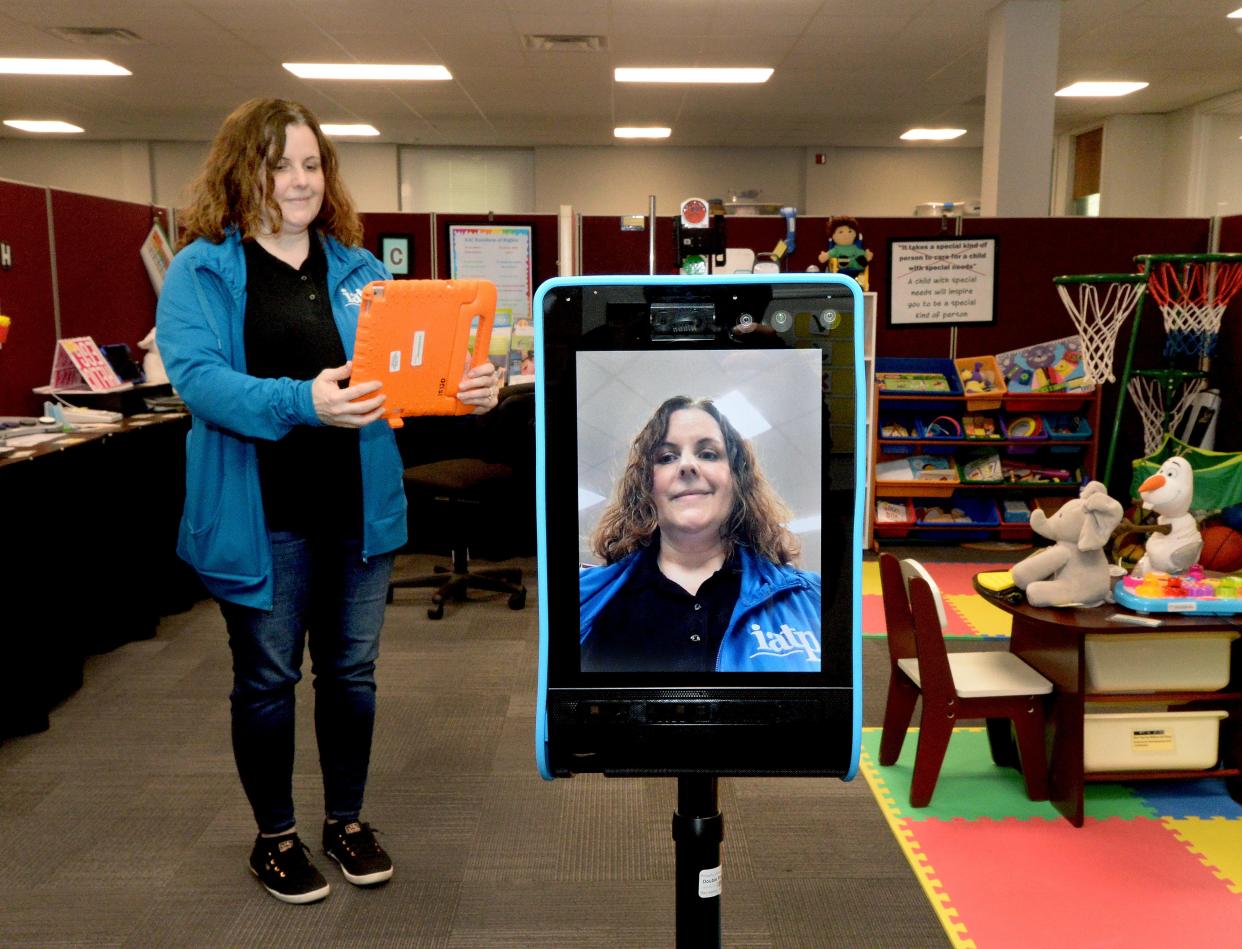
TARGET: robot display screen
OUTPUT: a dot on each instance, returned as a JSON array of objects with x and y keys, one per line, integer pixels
[{"x": 700, "y": 450}]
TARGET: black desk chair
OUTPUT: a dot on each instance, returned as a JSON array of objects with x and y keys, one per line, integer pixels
[{"x": 461, "y": 488}]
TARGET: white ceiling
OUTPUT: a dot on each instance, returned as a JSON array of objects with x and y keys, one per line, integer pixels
[{"x": 848, "y": 72}]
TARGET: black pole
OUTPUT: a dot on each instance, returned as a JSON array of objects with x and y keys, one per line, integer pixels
[{"x": 698, "y": 830}]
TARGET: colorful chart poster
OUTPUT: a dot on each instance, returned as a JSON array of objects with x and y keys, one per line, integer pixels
[{"x": 501, "y": 253}]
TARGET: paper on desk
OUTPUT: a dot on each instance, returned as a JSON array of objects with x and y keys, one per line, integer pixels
[{"x": 30, "y": 441}]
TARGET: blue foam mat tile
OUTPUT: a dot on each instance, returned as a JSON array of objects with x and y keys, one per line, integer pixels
[{"x": 1204, "y": 799}]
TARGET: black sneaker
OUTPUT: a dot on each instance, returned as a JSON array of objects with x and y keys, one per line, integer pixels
[
  {"x": 283, "y": 866},
  {"x": 352, "y": 844}
]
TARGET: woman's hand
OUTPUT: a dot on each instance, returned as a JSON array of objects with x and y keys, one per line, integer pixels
[
  {"x": 479, "y": 388},
  {"x": 336, "y": 406}
]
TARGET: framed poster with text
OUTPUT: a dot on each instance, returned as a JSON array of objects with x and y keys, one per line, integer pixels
[{"x": 941, "y": 282}]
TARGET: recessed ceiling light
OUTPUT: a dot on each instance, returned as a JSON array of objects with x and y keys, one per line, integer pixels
[
  {"x": 336, "y": 129},
  {"x": 1101, "y": 89},
  {"x": 633, "y": 131},
  {"x": 743, "y": 415},
  {"x": 931, "y": 135},
  {"x": 679, "y": 74},
  {"x": 61, "y": 67},
  {"x": 372, "y": 71},
  {"x": 41, "y": 125}
]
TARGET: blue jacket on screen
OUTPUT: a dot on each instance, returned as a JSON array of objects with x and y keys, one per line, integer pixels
[
  {"x": 775, "y": 626},
  {"x": 200, "y": 330}
]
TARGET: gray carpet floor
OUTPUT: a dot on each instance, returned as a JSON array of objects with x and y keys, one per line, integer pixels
[{"x": 125, "y": 824}]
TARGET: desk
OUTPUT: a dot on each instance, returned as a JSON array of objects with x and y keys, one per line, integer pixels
[
  {"x": 1052, "y": 641},
  {"x": 89, "y": 531}
]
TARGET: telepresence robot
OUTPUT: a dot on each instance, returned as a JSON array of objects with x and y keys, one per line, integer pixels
[{"x": 630, "y": 681}]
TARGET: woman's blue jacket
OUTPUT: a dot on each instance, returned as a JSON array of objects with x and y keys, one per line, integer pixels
[{"x": 200, "y": 331}]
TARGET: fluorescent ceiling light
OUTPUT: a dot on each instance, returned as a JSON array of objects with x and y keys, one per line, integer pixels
[
  {"x": 677, "y": 74},
  {"x": 61, "y": 67},
  {"x": 335, "y": 129},
  {"x": 931, "y": 135},
  {"x": 743, "y": 416},
  {"x": 366, "y": 71},
  {"x": 588, "y": 499},
  {"x": 633, "y": 131},
  {"x": 41, "y": 125},
  {"x": 1101, "y": 89},
  {"x": 1235, "y": 15}
]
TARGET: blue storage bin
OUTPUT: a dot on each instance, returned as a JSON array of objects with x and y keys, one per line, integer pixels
[
  {"x": 1064, "y": 426},
  {"x": 914, "y": 365},
  {"x": 928, "y": 428},
  {"x": 981, "y": 511}
]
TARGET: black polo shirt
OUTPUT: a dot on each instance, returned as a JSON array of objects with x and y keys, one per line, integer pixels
[
  {"x": 653, "y": 625},
  {"x": 312, "y": 478}
]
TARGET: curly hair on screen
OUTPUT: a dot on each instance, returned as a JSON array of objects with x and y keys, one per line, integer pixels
[
  {"x": 756, "y": 520},
  {"x": 234, "y": 187}
]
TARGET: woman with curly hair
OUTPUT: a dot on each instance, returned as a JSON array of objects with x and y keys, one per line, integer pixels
[
  {"x": 697, "y": 573},
  {"x": 294, "y": 498}
]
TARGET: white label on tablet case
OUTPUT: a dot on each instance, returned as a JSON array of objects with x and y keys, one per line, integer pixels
[
  {"x": 709, "y": 883},
  {"x": 394, "y": 361},
  {"x": 416, "y": 354}
]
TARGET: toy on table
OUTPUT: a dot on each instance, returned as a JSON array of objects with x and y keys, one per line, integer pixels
[
  {"x": 1222, "y": 547},
  {"x": 1073, "y": 572},
  {"x": 1169, "y": 492},
  {"x": 845, "y": 253},
  {"x": 1191, "y": 592}
]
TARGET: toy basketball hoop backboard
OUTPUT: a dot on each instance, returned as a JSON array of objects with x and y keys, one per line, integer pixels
[{"x": 418, "y": 337}]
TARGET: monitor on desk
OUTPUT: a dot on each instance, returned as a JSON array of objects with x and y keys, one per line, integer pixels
[{"x": 700, "y": 445}]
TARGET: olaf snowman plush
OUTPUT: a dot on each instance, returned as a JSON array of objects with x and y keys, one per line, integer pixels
[{"x": 1169, "y": 492}]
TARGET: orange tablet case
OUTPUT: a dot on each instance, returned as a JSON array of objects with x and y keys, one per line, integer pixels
[{"x": 415, "y": 336}]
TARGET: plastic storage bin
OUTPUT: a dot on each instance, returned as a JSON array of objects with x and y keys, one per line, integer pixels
[
  {"x": 1151, "y": 741},
  {"x": 1158, "y": 662},
  {"x": 977, "y": 372},
  {"x": 899, "y": 528},
  {"x": 980, "y": 510},
  {"x": 911, "y": 366}
]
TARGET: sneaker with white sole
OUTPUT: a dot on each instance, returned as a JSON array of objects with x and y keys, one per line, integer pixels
[
  {"x": 352, "y": 844},
  {"x": 283, "y": 866}
]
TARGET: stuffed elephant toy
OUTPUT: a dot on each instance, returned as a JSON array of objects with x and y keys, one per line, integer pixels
[{"x": 1073, "y": 572}]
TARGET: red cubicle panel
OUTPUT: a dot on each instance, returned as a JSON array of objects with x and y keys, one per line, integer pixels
[
  {"x": 415, "y": 227},
  {"x": 26, "y": 298},
  {"x": 105, "y": 292}
]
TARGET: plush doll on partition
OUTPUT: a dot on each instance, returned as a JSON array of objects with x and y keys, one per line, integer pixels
[
  {"x": 1169, "y": 492},
  {"x": 846, "y": 253},
  {"x": 1075, "y": 571}
]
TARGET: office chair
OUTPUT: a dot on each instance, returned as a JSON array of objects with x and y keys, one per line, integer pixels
[
  {"x": 994, "y": 685},
  {"x": 462, "y": 486}
]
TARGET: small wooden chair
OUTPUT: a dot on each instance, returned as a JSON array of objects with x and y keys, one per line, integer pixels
[{"x": 994, "y": 685}]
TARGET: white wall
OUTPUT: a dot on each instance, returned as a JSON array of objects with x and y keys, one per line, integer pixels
[
  {"x": 889, "y": 182},
  {"x": 1223, "y": 165},
  {"x": 1132, "y": 166},
  {"x": 468, "y": 180},
  {"x": 619, "y": 179},
  {"x": 120, "y": 170},
  {"x": 176, "y": 165}
]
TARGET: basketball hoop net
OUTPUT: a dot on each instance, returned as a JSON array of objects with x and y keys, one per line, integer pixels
[
  {"x": 1192, "y": 291},
  {"x": 1148, "y": 395},
  {"x": 1104, "y": 303}
]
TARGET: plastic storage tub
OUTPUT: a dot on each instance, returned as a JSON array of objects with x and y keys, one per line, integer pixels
[
  {"x": 1151, "y": 741},
  {"x": 910, "y": 367},
  {"x": 975, "y": 372},
  {"x": 895, "y": 528},
  {"x": 1158, "y": 662}
]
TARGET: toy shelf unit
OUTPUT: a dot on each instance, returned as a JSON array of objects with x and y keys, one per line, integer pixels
[{"x": 949, "y": 464}]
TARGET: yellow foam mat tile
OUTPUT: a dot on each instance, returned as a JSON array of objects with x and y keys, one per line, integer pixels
[
  {"x": 923, "y": 871},
  {"x": 1217, "y": 841},
  {"x": 871, "y": 578},
  {"x": 980, "y": 615}
]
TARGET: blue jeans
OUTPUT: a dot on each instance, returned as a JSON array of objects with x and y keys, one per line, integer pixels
[{"x": 322, "y": 588}]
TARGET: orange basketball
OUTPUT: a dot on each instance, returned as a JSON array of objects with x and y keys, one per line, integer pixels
[{"x": 1222, "y": 548}]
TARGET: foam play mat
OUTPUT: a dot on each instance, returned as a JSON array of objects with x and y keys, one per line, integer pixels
[
  {"x": 1156, "y": 863},
  {"x": 969, "y": 615}
]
